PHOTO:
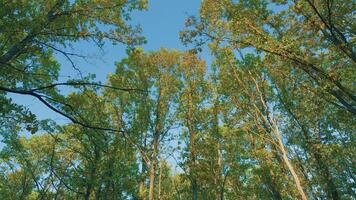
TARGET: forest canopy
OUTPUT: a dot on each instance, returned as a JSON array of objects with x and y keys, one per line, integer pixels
[{"x": 260, "y": 103}]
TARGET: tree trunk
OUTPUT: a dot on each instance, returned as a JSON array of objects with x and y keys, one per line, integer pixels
[
  {"x": 192, "y": 138},
  {"x": 152, "y": 169},
  {"x": 288, "y": 163},
  {"x": 194, "y": 185},
  {"x": 221, "y": 172},
  {"x": 144, "y": 164},
  {"x": 273, "y": 125},
  {"x": 141, "y": 188},
  {"x": 159, "y": 180}
]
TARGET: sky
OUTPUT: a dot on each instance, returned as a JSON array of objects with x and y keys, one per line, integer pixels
[{"x": 160, "y": 25}]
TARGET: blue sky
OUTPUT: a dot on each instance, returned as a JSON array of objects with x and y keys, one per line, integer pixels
[{"x": 160, "y": 24}]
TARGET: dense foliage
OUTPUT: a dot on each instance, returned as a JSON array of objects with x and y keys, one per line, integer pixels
[{"x": 272, "y": 117}]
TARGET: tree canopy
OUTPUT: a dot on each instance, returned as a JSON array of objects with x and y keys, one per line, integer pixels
[{"x": 261, "y": 103}]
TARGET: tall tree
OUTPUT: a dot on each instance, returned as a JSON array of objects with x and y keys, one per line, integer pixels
[
  {"x": 310, "y": 36},
  {"x": 154, "y": 73},
  {"x": 192, "y": 98}
]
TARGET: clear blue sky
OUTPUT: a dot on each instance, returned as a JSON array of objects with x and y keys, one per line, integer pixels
[{"x": 161, "y": 24}]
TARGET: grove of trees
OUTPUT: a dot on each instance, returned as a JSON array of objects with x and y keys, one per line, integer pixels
[{"x": 272, "y": 115}]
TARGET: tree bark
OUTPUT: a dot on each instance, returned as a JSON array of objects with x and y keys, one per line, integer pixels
[
  {"x": 274, "y": 128},
  {"x": 160, "y": 180},
  {"x": 192, "y": 138},
  {"x": 289, "y": 164},
  {"x": 152, "y": 169}
]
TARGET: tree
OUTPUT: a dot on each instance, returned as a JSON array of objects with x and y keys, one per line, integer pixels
[
  {"x": 270, "y": 117},
  {"x": 151, "y": 116},
  {"x": 193, "y": 95},
  {"x": 308, "y": 35},
  {"x": 32, "y": 32}
]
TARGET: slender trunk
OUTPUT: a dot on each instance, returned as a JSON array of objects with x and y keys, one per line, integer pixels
[
  {"x": 194, "y": 185},
  {"x": 221, "y": 178},
  {"x": 156, "y": 138},
  {"x": 142, "y": 182},
  {"x": 192, "y": 138},
  {"x": 159, "y": 180},
  {"x": 143, "y": 173},
  {"x": 152, "y": 179},
  {"x": 152, "y": 169},
  {"x": 141, "y": 192},
  {"x": 222, "y": 189},
  {"x": 221, "y": 173},
  {"x": 273, "y": 125},
  {"x": 289, "y": 164}
]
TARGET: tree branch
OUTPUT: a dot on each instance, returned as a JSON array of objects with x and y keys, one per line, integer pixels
[{"x": 58, "y": 111}]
